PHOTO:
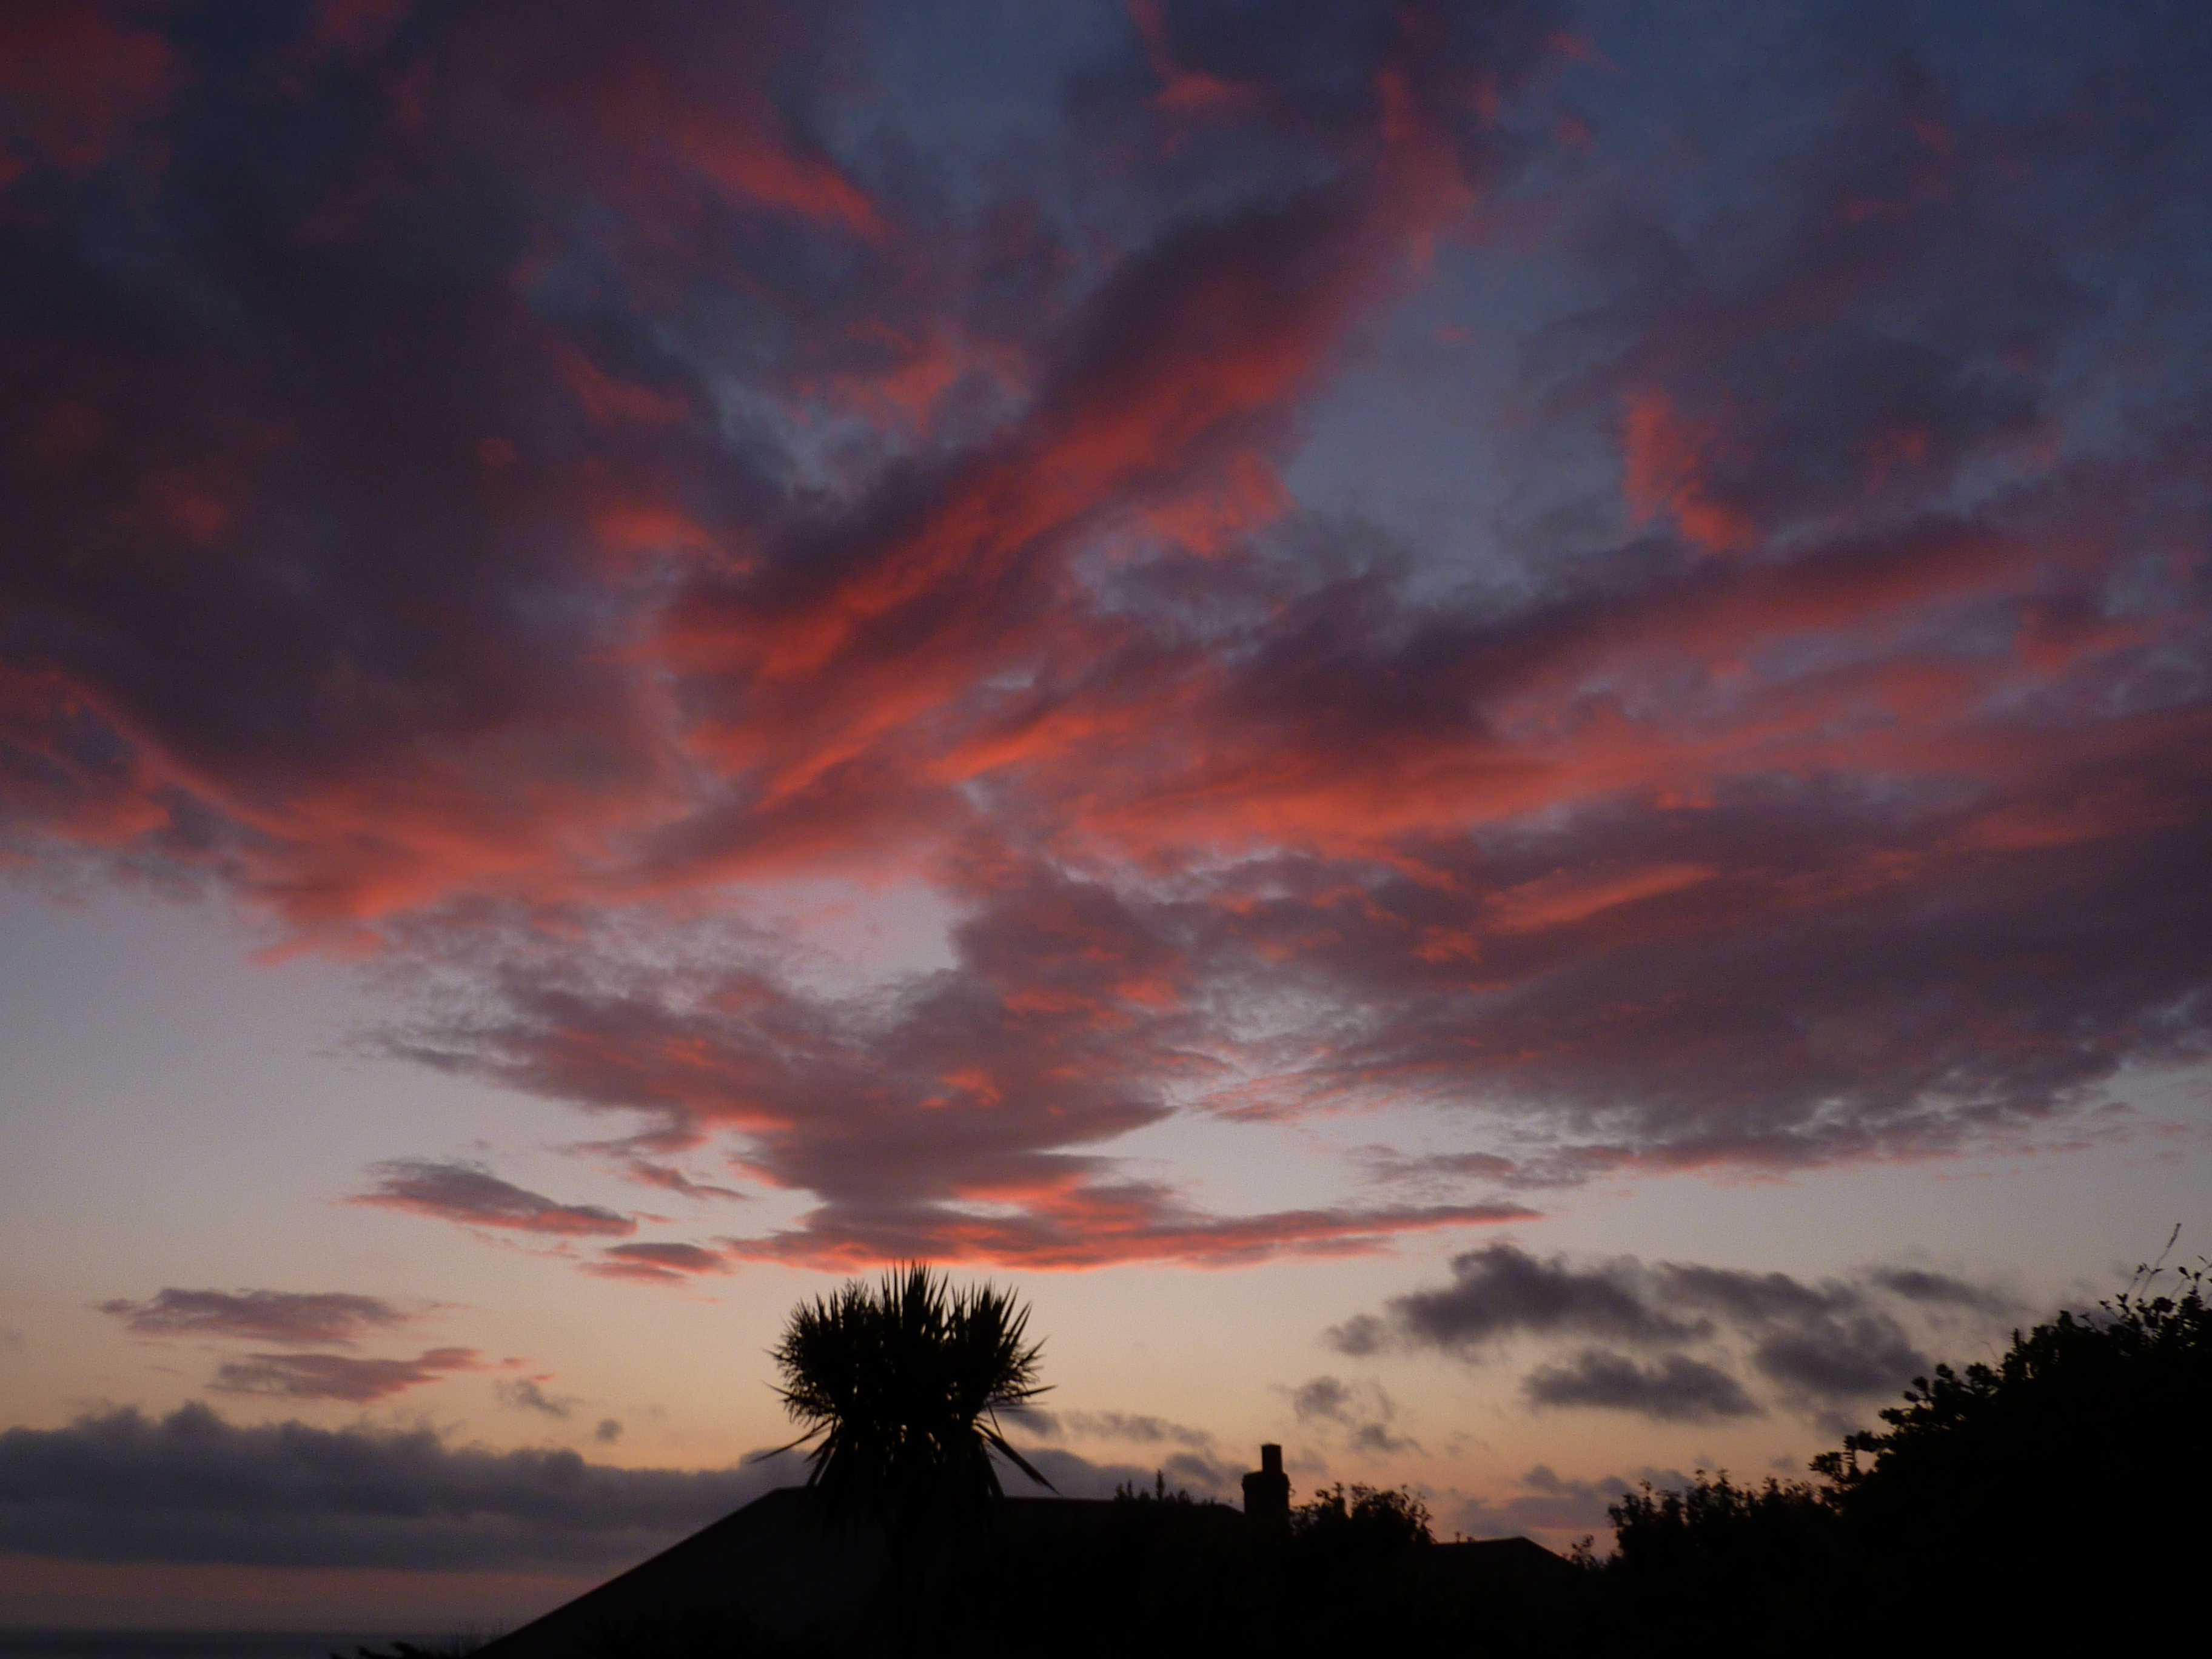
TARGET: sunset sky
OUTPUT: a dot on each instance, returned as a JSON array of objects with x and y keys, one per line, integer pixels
[{"x": 1484, "y": 729}]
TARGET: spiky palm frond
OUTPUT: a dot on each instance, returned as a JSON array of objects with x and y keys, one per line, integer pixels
[{"x": 899, "y": 1386}]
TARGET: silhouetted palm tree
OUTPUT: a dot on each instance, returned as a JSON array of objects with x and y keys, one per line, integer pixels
[{"x": 899, "y": 1385}]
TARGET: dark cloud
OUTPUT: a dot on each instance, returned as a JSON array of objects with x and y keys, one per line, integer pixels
[
  {"x": 1929, "y": 1289},
  {"x": 527, "y": 1394},
  {"x": 1842, "y": 1360},
  {"x": 191, "y": 1487},
  {"x": 1324, "y": 1396},
  {"x": 1674, "y": 1389},
  {"x": 301, "y": 1317},
  {"x": 1363, "y": 1411},
  {"x": 1824, "y": 1345},
  {"x": 1499, "y": 1292},
  {"x": 340, "y": 1377},
  {"x": 608, "y": 1430},
  {"x": 471, "y": 1195},
  {"x": 1379, "y": 1439}
]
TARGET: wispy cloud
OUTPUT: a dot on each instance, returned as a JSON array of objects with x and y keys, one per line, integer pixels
[
  {"x": 662, "y": 1263},
  {"x": 358, "y": 1381},
  {"x": 307, "y": 1317},
  {"x": 527, "y": 1394},
  {"x": 471, "y": 1195}
]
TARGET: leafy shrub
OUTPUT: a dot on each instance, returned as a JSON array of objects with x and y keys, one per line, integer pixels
[{"x": 2056, "y": 1495}]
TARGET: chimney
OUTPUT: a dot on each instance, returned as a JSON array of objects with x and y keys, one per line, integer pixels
[{"x": 1267, "y": 1490}]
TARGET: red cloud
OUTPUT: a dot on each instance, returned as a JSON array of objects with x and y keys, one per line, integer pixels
[
  {"x": 76, "y": 78},
  {"x": 483, "y": 533},
  {"x": 1098, "y": 1226}
]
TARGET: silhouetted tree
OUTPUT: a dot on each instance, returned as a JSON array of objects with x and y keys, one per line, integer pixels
[
  {"x": 2052, "y": 1488},
  {"x": 899, "y": 1385},
  {"x": 1361, "y": 1521},
  {"x": 1723, "y": 1568},
  {"x": 2056, "y": 1495}
]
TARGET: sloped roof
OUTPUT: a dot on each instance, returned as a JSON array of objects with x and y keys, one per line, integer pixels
[{"x": 772, "y": 1561}]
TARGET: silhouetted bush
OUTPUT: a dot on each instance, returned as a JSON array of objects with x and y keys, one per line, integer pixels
[
  {"x": 1160, "y": 1575},
  {"x": 2056, "y": 1495},
  {"x": 1355, "y": 1522},
  {"x": 2054, "y": 1498},
  {"x": 1723, "y": 1568},
  {"x": 2062, "y": 1485}
]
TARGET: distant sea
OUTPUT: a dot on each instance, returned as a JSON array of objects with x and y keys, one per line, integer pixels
[{"x": 197, "y": 1644}]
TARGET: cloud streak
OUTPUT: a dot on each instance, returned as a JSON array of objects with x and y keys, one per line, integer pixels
[
  {"x": 473, "y": 1196},
  {"x": 355, "y": 1380},
  {"x": 307, "y": 1317}
]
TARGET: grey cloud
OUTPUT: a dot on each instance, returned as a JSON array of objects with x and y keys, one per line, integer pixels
[
  {"x": 1842, "y": 1360},
  {"x": 1134, "y": 1427},
  {"x": 1324, "y": 1396},
  {"x": 302, "y": 1317},
  {"x": 1378, "y": 1439},
  {"x": 1674, "y": 1389},
  {"x": 1500, "y": 1290},
  {"x": 1364, "y": 1410},
  {"x": 471, "y": 1195},
  {"x": 1358, "y": 1336},
  {"x": 1836, "y": 1340},
  {"x": 526, "y": 1393},
  {"x": 191, "y": 1487},
  {"x": 608, "y": 1430},
  {"x": 340, "y": 1377},
  {"x": 1940, "y": 1290}
]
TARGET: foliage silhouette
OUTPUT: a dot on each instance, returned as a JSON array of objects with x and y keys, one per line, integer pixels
[
  {"x": 1723, "y": 1568},
  {"x": 899, "y": 1386},
  {"x": 2053, "y": 1495},
  {"x": 2008, "y": 1505},
  {"x": 1160, "y": 1575},
  {"x": 1361, "y": 1521}
]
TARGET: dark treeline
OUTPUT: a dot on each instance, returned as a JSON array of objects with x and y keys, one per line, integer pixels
[{"x": 2058, "y": 1498}]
